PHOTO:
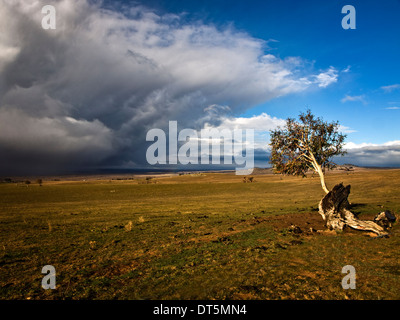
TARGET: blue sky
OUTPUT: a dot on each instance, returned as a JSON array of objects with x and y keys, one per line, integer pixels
[
  {"x": 367, "y": 58},
  {"x": 87, "y": 92}
]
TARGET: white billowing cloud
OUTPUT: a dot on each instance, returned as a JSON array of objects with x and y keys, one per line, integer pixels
[
  {"x": 326, "y": 78},
  {"x": 351, "y": 145},
  {"x": 347, "y": 98},
  {"x": 390, "y": 88},
  {"x": 363, "y": 154},
  {"x": 90, "y": 90},
  {"x": 262, "y": 122}
]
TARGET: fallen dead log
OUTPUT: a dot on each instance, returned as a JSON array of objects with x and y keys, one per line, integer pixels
[{"x": 334, "y": 209}]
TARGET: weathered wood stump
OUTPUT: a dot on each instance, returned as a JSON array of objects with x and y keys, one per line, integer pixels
[{"x": 334, "y": 209}]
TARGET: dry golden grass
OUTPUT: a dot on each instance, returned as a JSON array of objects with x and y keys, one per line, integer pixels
[{"x": 203, "y": 236}]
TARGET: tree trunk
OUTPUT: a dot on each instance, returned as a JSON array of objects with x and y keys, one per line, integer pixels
[
  {"x": 322, "y": 178},
  {"x": 318, "y": 169},
  {"x": 334, "y": 209}
]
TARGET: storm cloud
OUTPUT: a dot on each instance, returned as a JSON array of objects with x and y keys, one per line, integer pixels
[
  {"x": 84, "y": 95},
  {"x": 372, "y": 155}
]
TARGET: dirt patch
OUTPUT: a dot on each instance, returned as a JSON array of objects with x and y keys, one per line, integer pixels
[{"x": 306, "y": 221}]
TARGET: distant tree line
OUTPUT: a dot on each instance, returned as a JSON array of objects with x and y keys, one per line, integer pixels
[{"x": 27, "y": 182}]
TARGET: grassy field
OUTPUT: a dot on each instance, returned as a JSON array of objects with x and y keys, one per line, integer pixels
[{"x": 200, "y": 236}]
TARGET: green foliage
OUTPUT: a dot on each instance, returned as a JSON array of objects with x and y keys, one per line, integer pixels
[{"x": 305, "y": 144}]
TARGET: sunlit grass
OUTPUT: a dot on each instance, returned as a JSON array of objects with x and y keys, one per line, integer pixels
[{"x": 193, "y": 237}]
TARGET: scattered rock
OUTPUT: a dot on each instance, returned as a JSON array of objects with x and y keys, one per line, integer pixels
[
  {"x": 295, "y": 229},
  {"x": 262, "y": 247},
  {"x": 128, "y": 226},
  {"x": 279, "y": 246},
  {"x": 92, "y": 245},
  {"x": 295, "y": 242},
  {"x": 256, "y": 221},
  {"x": 224, "y": 240},
  {"x": 385, "y": 219}
]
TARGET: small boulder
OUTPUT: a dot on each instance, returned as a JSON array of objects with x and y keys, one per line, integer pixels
[
  {"x": 295, "y": 229},
  {"x": 385, "y": 219}
]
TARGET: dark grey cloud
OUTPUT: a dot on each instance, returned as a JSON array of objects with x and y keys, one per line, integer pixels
[
  {"x": 385, "y": 155},
  {"x": 85, "y": 95}
]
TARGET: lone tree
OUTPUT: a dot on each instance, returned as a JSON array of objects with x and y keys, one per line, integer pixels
[
  {"x": 306, "y": 145},
  {"x": 309, "y": 144}
]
